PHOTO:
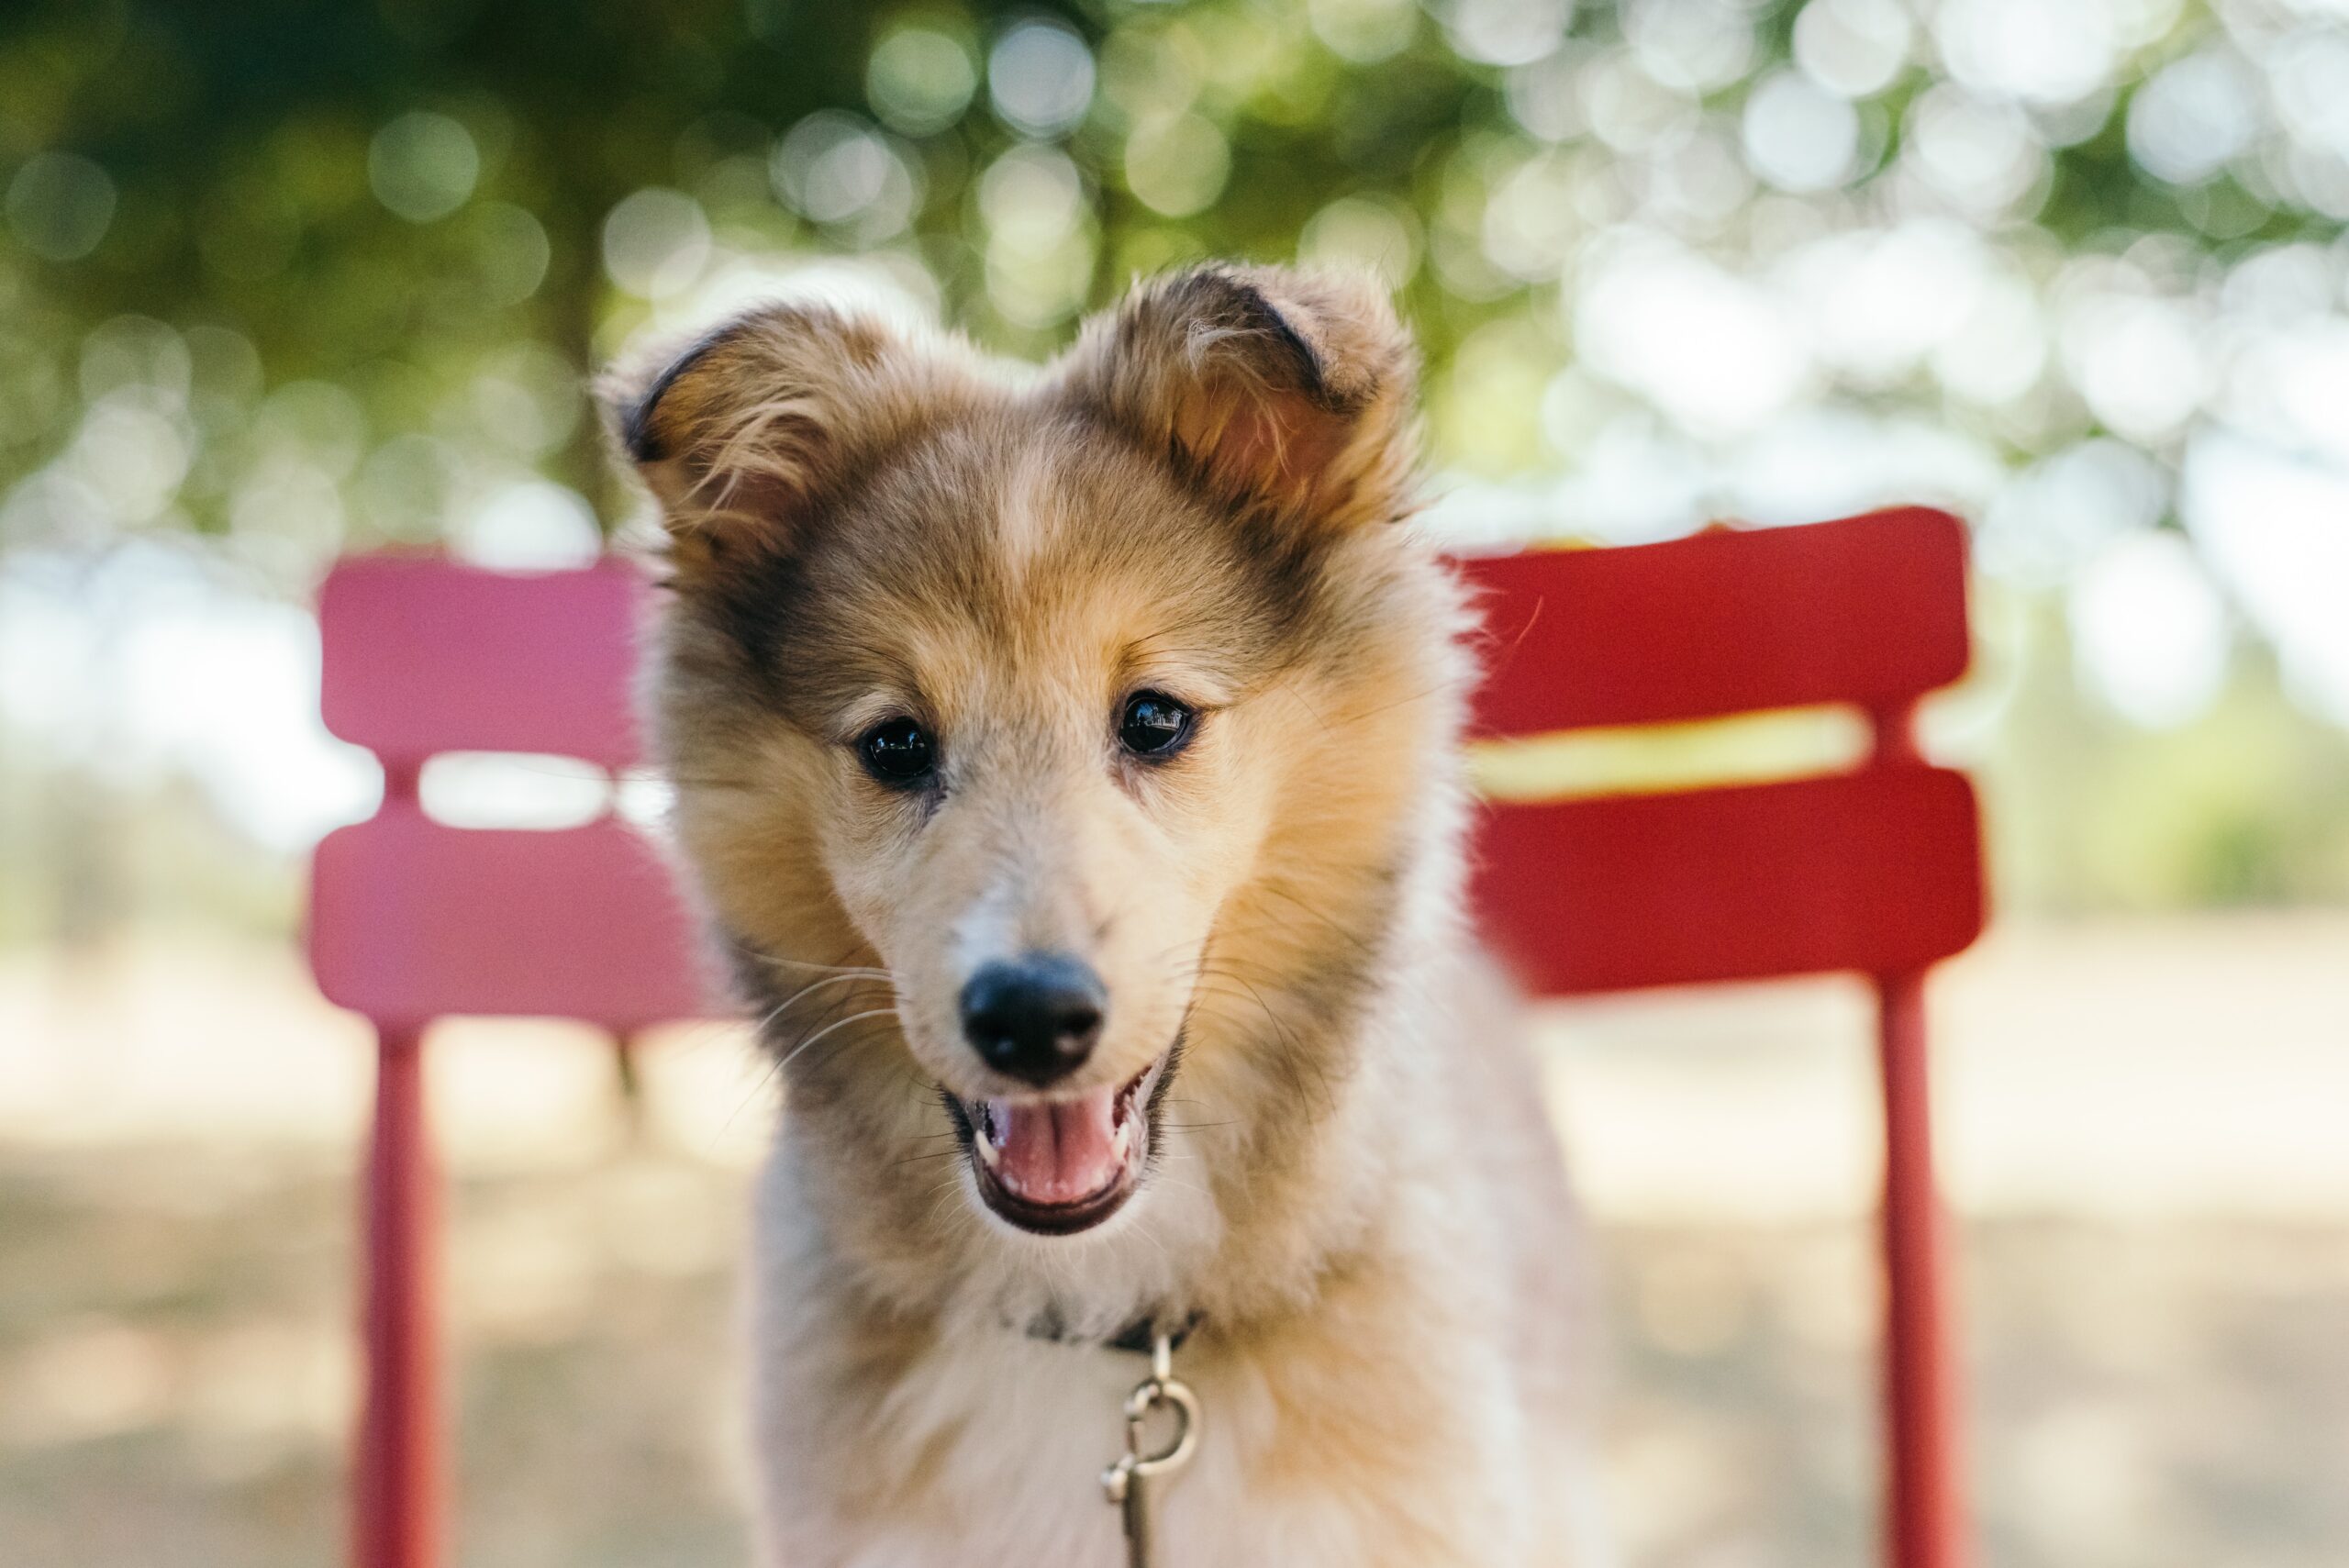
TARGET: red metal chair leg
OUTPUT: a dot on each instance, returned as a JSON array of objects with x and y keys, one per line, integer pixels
[
  {"x": 1925, "y": 1509},
  {"x": 397, "y": 1483}
]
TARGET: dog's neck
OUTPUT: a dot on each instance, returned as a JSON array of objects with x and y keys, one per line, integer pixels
[{"x": 1138, "y": 1338}]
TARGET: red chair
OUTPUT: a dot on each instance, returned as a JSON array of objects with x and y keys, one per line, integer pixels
[
  {"x": 411, "y": 921},
  {"x": 1875, "y": 871}
]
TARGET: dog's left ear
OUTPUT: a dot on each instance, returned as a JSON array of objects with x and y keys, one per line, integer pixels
[{"x": 1275, "y": 387}]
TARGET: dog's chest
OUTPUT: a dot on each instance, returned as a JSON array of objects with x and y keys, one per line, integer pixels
[{"x": 1009, "y": 1439}]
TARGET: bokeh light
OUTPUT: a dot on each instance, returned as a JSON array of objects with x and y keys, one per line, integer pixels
[
  {"x": 920, "y": 80},
  {"x": 60, "y": 205},
  {"x": 656, "y": 243},
  {"x": 423, "y": 165},
  {"x": 1040, "y": 78}
]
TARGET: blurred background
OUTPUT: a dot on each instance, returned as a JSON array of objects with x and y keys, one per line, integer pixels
[{"x": 281, "y": 280}]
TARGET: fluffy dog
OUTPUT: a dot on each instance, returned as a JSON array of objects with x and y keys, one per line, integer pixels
[{"x": 1069, "y": 762}]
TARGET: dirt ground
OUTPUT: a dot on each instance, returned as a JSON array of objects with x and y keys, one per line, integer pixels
[{"x": 2159, "y": 1368}]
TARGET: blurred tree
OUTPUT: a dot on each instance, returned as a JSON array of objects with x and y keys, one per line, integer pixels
[
  {"x": 285, "y": 278},
  {"x": 398, "y": 199},
  {"x": 446, "y": 208},
  {"x": 383, "y": 199}
]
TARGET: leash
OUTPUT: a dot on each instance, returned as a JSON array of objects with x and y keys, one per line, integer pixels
[{"x": 1129, "y": 1482}]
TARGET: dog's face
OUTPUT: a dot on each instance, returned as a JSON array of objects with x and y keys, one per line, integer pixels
[{"x": 1049, "y": 730}]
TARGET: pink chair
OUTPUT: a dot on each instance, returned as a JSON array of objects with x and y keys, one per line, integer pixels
[
  {"x": 1875, "y": 871},
  {"x": 411, "y": 921}
]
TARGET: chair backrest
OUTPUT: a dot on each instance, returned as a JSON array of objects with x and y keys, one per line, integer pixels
[
  {"x": 1876, "y": 870},
  {"x": 412, "y": 920}
]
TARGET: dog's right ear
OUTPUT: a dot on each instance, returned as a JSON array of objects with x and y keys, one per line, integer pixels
[{"x": 741, "y": 435}]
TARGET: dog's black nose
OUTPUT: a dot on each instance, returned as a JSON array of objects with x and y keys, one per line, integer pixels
[{"x": 1034, "y": 1017}]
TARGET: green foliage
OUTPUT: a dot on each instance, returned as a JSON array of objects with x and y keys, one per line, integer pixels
[
  {"x": 404, "y": 199},
  {"x": 284, "y": 279}
]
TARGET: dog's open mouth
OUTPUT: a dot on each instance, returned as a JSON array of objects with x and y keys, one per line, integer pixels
[{"x": 1057, "y": 1166}]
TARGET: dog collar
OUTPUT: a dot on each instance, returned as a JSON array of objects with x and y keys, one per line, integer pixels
[{"x": 1138, "y": 1338}]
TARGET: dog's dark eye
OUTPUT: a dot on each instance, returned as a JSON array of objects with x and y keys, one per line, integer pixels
[
  {"x": 1153, "y": 724},
  {"x": 898, "y": 753}
]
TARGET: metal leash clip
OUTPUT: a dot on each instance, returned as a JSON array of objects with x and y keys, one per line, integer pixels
[{"x": 1129, "y": 1482}]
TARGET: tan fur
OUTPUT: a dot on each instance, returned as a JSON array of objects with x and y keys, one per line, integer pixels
[{"x": 1352, "y": 1185}]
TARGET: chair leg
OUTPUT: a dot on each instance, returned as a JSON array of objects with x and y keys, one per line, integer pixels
[
  {"x": 1925, "y": 1510},
  {"x": 395, "y": 1519}
]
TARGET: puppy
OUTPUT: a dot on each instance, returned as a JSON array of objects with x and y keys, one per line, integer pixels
[{"x": 1069, "y": 764}]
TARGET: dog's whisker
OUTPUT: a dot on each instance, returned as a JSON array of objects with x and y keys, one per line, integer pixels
[
  {"x": 775, "y": 1070},
  {"x": 1289, "y": 1050},
  {"x": 869, "y": 972},
  {"x": 922, "y": 1159},
  {"x": 1143, "y": 1230},
  {"x": 765, "y": 1083},
  {"x": 1329, "y": 923},
  {"x": 849, "y": 977},
  {"x": 848, "y": 1043},
  {"x": 759, "y": 1025},
  {"x": 831, "y": 1020}
]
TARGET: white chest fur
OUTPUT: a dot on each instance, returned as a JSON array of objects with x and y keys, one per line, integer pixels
[{"x": 1010, "y": 1436}]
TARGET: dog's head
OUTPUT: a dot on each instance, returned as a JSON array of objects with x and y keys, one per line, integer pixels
[{"x": 1061, "y": 729}]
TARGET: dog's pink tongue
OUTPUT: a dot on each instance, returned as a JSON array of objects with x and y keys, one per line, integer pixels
[{"x": 1056, "y": 1151}]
